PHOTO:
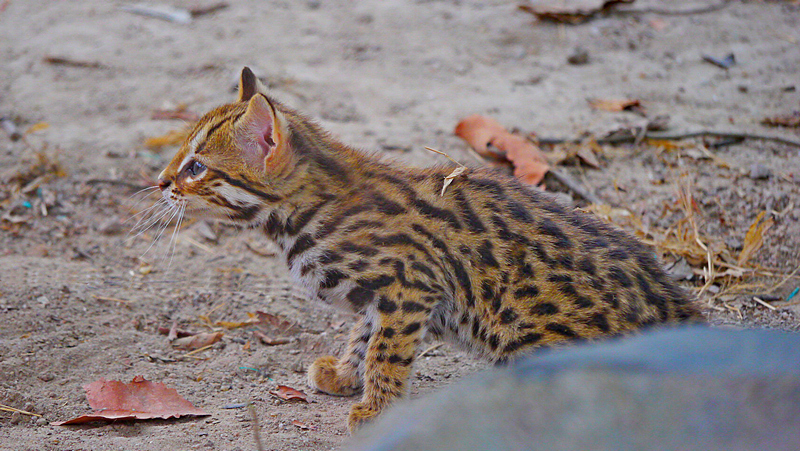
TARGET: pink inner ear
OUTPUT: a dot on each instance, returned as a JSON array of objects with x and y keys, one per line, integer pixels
[{"x": 258, "y": 142}]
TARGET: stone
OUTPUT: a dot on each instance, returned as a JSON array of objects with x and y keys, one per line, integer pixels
[{"x": 693, "y": 388}]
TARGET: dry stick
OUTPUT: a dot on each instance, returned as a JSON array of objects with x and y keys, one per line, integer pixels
[
  {"x": 674, "y": 12},
  {"x": 430, "y": 349},
  {"x": 106, "y": 298},
  {"x": 764, "y": 303},
  {"x": 256, "y": 427},
  {"x": 6, "y": 408},
  {"x": 785, "y": 279},
  {"x": 679, "y": 136},
  {"x": 198, "y": 350},
  {"x": 574, "y": 186}
]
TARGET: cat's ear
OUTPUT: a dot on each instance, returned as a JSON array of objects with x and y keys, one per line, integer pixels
[
  {"x": 261, "y": 131},
  {"x": 249, "y": 85}
]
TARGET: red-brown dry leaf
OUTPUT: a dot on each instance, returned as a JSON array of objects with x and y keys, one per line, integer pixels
[
  {"x": 616, "y": 105},
  {"x": 197, "y": 341},
  {"x": 568, "y": 11},
  {"x": 138, "y": 400},
  {"x": 289, "y": 394},
  {"x": 274, "y": 323},
  {"x": 481, "y": 131}
]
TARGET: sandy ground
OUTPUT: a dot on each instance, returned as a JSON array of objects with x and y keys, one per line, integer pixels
[{"x": 77, "y": 302}]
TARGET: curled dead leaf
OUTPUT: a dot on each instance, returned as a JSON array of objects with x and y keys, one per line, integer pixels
[
  {"x": 616, "y": 105},
  {"x": 197, "y": 341},
  {"x": 289, "y": 394},
  {"x": 138, "y": 400},
  {"x": 269, "y": 341},
  {"x": 479, "y": 132}
]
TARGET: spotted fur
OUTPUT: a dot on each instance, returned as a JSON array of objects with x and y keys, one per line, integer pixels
[{"x": 490, "y": 265}]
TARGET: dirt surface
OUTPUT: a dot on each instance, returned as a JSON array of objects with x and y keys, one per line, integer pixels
[{"x": 80, "y": 300}]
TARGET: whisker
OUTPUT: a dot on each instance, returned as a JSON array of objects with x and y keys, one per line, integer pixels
[
  {"x": 152, "y": 221},
  {"x": 141, "y": 191},
  {"x": 173, "y": 242},
  {"x": 174, "y": 210}
]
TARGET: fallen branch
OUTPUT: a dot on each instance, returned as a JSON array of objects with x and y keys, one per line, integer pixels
[{"x": 677, "y": 136}]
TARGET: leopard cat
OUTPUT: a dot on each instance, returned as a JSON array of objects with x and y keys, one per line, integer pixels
[{"x": 489, "y": 264}]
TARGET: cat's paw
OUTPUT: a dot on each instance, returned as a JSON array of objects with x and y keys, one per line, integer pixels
[
  {"x": 325, "y": 376},
  {"x": 360, "y": 414}
]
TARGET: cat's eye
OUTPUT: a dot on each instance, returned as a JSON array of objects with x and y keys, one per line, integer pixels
[{"x": 195, "y": 167}]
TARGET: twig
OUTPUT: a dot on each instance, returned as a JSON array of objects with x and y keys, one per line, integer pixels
[
  {"x": 785, "y": 279},
  {"x": 256, "y": 427},
  {"x": 197, "y": 351},
  {"x": 674, "y": 12},
  {"x": 203, "y": 10},
  {"x": 198, "y": 244},
  {"x": 430, "y": 349},
  {"x": 574, "y": 186},
  {"x": 678, "y": 136},
  {"x": 106, "y": 298},
  {"x": 63, "y": 61},
  {"x": 764, "y": 304},
  {"x": 6, "y": 408}
]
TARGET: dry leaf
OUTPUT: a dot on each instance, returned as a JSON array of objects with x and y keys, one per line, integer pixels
[
  {"x": 172, "y": 138},
  {"x": 289, "y": 394},
  {"x": 197, "y": 341},
  {"x": 616, "y": 105},
  {"x": 449, "y": 179},
  {"x": 180, "y": 112},
  {"x": 235, "y": 324},
  {"x": 586, "y": 154},
  {"x": 274, "y": 323},
  {"x": 270, "y": 341},
  {"x": 139, "y": 400},
  {"x": 481, "y": 131},
  {"x": 36, "y": 127},
  {"x": 569, "y": 11},
  {"x": 754, "y": 238},
  {"x": 786, "y": 120}
]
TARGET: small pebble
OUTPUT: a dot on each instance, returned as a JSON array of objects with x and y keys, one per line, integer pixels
[
  {"x": 733, "y": 243},
  {"x": 760, "y": 172},
  {"x": 579, "y": 56}
]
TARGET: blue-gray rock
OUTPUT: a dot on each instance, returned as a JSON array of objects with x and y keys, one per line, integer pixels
[{"x": 682, "y": 389}]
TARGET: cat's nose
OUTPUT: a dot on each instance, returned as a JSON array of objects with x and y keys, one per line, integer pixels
[{"x": 164, "y": 183}]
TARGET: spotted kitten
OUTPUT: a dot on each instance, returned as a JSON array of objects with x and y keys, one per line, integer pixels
[{"x": 491, "y": 265}]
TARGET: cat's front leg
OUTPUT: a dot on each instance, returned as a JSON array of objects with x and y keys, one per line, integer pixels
[
  {"x": 343, "y": 376},
  {"x": 390, "y": 355}
]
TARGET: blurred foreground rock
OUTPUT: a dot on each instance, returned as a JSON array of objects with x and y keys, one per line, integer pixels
[{"x": 688, "y": 389}]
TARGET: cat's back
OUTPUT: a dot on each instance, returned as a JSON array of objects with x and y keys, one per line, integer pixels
[{"x": 523, "y": 269}]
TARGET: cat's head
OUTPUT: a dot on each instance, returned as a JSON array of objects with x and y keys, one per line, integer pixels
[{"x": 233, "y": 160}]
